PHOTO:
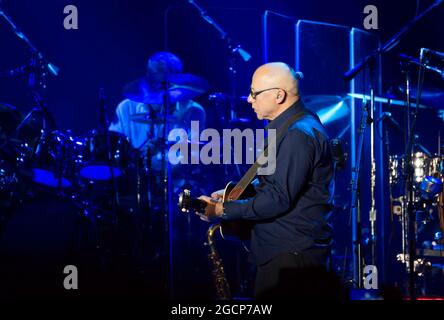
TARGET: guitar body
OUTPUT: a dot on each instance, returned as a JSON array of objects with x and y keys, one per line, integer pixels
[{"x": 236, "y": 229}]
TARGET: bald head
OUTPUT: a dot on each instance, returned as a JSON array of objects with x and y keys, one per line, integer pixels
[
  {"x": 278, "y": 74},
  {"x": 274, "y": 88}
]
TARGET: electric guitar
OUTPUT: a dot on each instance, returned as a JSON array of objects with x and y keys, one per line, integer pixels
[{"x": 229, "y": 229}]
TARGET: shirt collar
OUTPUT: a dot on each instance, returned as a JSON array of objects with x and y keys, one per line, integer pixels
[{"x": 295, "y": 108}]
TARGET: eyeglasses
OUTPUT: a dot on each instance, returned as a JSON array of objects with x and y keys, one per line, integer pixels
[{"x": 254, "y": 94}]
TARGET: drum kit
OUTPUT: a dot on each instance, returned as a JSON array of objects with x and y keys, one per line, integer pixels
[{"x": 34, "y": 158}]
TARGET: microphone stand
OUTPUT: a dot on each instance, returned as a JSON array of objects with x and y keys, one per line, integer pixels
[
  {"x": 348, "y": 76},
  {"x": 38, "y": 63},
  {"x": 409, "y": 216},
  {"x": 393, "y": 42},
  {"x": 366, "y": 119},
  {"x": 235, "y": 51},
  {"x": 54, "y": 70}
]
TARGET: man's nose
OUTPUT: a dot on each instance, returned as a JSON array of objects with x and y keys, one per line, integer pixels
[{"x": 249, "y": 99}]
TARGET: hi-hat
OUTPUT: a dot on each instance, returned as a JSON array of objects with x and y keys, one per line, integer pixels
[{"x": 180, "y": 87}]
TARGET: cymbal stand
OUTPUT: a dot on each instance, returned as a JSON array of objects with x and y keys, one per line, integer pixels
[
  {"x": 409, "y": 215},
  {"x": 104, "y": 126},
  {"x": 167, "y": 205}
]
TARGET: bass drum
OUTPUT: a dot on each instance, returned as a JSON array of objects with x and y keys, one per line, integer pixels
[{"x": 37, "y": 241}]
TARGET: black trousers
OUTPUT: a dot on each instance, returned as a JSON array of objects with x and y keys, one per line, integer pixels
[{"x": 298, "y": 276}]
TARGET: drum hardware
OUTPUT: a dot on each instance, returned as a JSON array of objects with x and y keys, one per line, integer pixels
[
  {"x": 369, "y": 61},
  {"x": 397, "y": 205},
  {"x": 162, "y": 90},
  {"x": 430, "y": 187}
]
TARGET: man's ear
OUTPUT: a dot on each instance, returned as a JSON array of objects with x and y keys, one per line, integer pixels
[{"x": 280, "y": 97}]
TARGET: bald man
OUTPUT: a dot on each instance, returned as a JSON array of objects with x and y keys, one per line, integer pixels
[{"x": 291, "y": 236}]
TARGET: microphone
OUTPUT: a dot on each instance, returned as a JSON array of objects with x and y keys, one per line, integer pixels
[
  {"x": 388, "y": 115},
  {"x": 384, "y": 115}
]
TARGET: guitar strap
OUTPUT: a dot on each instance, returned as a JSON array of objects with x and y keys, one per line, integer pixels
[{"x": 252, "y": 171}]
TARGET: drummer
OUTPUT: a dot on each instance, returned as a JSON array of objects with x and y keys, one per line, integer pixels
[{"x": 140, "y": 116}]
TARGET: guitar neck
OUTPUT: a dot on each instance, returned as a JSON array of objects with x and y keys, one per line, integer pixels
[{"x": 236, "y": 192}]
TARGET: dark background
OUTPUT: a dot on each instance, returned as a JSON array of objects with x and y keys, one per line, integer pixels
[{"x": 115, "y": 38}]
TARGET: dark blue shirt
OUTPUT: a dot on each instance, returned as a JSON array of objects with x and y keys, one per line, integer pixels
[{"x": 292, "y": 205}]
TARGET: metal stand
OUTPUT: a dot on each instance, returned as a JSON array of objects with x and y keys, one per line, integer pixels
[
  {"x": 409, "y": 215},
  {"x": 349, "y": 75},
  {"x": 104, "y": 127},
  {"x": 235, "y": 51},
  {"x": 167, "y": 205},
  {"x": 372, "y": 213},
  {"x": 355, "y": 203},
  {"x": 37, "y": 70}
]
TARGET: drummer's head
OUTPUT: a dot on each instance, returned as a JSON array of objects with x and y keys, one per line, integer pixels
[{"x": 162, "y": 63}]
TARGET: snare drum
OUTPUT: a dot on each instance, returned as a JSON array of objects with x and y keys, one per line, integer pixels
[
  {"x": 104, "y": 158},
  {"x": 421, "y": 166}
]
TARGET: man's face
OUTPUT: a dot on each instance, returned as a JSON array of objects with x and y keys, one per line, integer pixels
[{"x": 264, "y": 104}]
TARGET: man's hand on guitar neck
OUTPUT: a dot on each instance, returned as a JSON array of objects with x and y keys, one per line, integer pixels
[{"x": 213, "y": 210}]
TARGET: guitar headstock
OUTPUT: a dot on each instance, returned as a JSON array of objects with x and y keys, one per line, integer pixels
[{"x": 185, "y": 201}]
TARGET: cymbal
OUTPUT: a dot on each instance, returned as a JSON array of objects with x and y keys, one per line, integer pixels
[
  {"x": 329, "y": 108},
  {"x": 181, "y": 87},
  {"x": 432, "y": 97},
  {"x": 426, "y": 92},
  {"x": 319, "y": 102},
  {"x": 188, "y": 81}
]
